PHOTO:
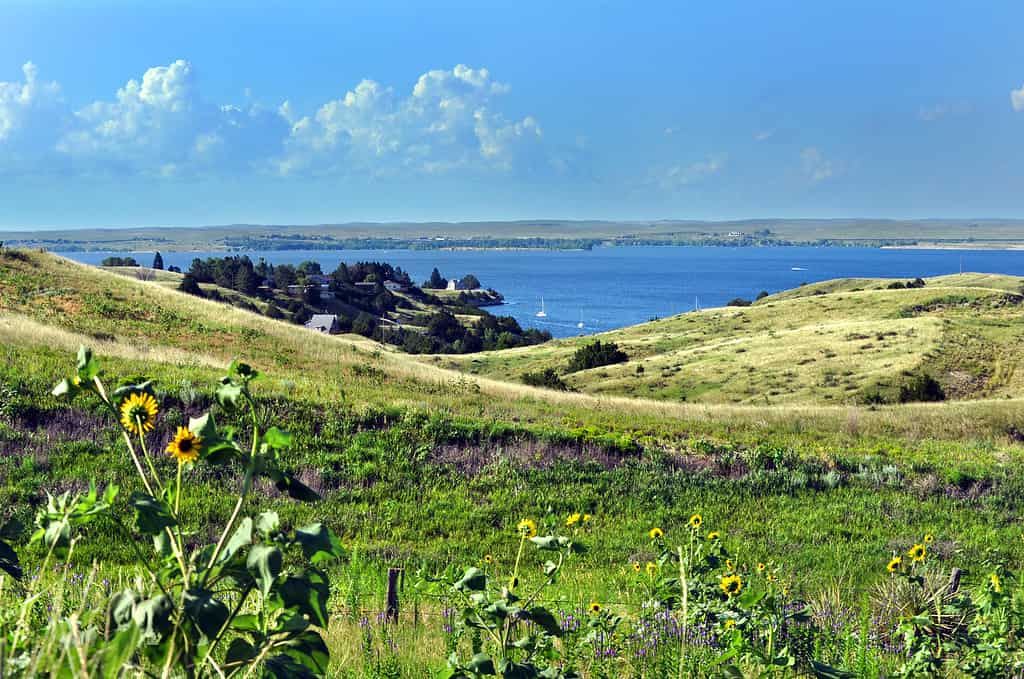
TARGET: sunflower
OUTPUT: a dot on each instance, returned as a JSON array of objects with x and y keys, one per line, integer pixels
[
  {"x": 770, "y": 577},
  {"x": 573, "y": 519},
  {"x": 185, "y": 446},
  {"x": 713, "y": 535},
  {"x": 929, "y": 539},
  {"x": 731, "y": 585},
  {"x": 761, "y": 567},
  {"x": 138, "y": 409},
  {"x": 527, "y": 528},
  {"x": 894, "y": 564},
  {"x": 917, "y": 552},
  {"x": 695, "y": 521},
  {"x": 637, "y": 567},
  {"x": 652, "y": 568},
  {"x": 730, "y": 565},
  {"x": 997, "y": 585},
  {"x": 656, "y": 533},
  {"x": 488, "y": 559},
  {"x": 594, "y": 608},
  {"x": 586, "y": 518}
]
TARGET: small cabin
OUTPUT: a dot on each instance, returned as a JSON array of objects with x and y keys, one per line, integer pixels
[{"x": 325, "y": 323}]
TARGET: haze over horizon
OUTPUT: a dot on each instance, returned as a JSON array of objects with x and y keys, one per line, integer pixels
[{"x": 178, "y": 114}]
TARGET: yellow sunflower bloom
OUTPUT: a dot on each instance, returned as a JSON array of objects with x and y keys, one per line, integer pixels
[
  {"x": 731, "y": 585},
  {"x": 894, "y": 564},
  {"x": 729, "y": 624},
  {"x": 761, "y": 567},
  {"x": 713, "y": 535},
  {"x": 527, "y": 528},
  {"x": 594, "y": 607},
  {"x": 929, "y": 538},
  {"x": 730, "y": 565},
  {"x": 586, "y": 518},
  {"x": 695, "y": 521},
  {"x": 138, "y": 410},
  {"x": 917, "y": 552},
  {"x": 185, "y": 446},
  {"x": 488, "y": 559},
  {"x": 573, "y": 519},
  {"x": 637, "y": 567},
  {"x": 656, "y": 533},
  {"x": 997, "y": 585},
  {"x": 770, "y": 577}
]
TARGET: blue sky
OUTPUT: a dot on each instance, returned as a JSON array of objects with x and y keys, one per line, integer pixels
[{"x": 115, "y": 114}]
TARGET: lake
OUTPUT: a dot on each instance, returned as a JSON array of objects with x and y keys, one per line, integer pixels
[{"x": 612, "y": 287}]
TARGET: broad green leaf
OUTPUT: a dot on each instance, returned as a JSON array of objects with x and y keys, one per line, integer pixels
[
  {"x": 120, "y": 608},
  {"x": 118, "y": 650},
  {"x": 306, "y": 592},
  {"x": 268, "y": 523},
  {"x": 543, "y": 618},
  {"x": 474, "y": 580},
  {"x": 549, "y": 543},
  {"x": 151, "y": 515},
  {"x": 228, "y": 394},
  {"x": 239, "y": 539},
  {"x": 66, "y": 389},
  {"x": 319, "y": 544},
  {"x": 264, "y": 563},
  {"x": 309, "y": 649},
  {"x": 481, "y": 663},
  {"x": 288, "y": 484},
  {"x": 9, "y": 561},
  {"x": 153, "y": 618},
  {"x": 514, "y": 670},
  {"x": 246, "y": 622},
  {"x": 206, "y": 612},
  {"x": 277, "y": 439},
  {"x": 240, "y": 651},
  {"x": 87, "y": 366},
  {"x": 284, "y": 667}
]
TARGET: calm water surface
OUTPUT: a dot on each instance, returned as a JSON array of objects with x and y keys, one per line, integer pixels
[{"x": 612, "y": 287}]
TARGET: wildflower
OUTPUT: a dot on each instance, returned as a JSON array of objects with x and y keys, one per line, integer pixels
[
  {"x": 770, "y": 577},
  {"x": 730, "y": 565},
  {"x": 586, "y": 518},
  {"x": 695, "y": 521},
  {"x": 761, "y": 567},
  {"x": 488, "y": 559},
  {"x": 656, "y": 533},
  {"x": 573, "y": 519},
  {"x": 637, "y": 567},
  {"x": 997, "y": 585},
  {"x": 527, "y": 528},
  {"x": 894, "y": 564},
  {"x": 138, "y": 410},
  {"x": 594, "y": 608},
  {"x": 917, "y": 552},
  {"x": 713, "y": 535},
  {"x": 929, "y": 539},
  {"x": 652, "y": 568},
  {"x": 729, "y": 624},
  {"x": 731, "y": 585},
  {"x": 185, "y": 446}
]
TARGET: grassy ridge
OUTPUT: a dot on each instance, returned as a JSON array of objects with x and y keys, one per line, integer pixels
[
  {"x": 829, "y": 342},
  {"x": 419, "y": 463}
]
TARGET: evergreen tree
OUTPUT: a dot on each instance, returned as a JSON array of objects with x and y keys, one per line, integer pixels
[
  {"x": 190, "y": 285},
  {"x": 158, "y": 261}
]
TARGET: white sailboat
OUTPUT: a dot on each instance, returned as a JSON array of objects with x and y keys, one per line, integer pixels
[
  {"x": 542, "y": 313},
  {"x": 580, "y": 324}
]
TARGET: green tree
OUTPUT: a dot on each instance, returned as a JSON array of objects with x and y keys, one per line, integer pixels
[{"x": 158, "y": 261}]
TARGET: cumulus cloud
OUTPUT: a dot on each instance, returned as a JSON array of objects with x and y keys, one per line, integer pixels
[
  {"x": 679, "y": 176},
  {"x": 161, "y": 124},
  {"x": 816, "y": 166},
  {"x": 448, "y": 120},
  {"x": 1017, "y": 99}
]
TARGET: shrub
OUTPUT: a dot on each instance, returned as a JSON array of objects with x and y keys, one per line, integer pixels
[
  {"x": 546, "y": 378},
  {"x": 595, "y": 355},
  {"x": 921, "y": 387},
  {"x": 738, "y": 301}
]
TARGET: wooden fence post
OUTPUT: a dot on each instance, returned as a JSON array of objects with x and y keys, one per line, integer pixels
[{"x": 391, "y": 612}]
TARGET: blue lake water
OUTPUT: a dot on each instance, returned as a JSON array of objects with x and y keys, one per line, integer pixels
[{"x": 611, "y": 287}]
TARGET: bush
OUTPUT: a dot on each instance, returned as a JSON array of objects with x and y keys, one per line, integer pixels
[
  {"x": 922, "y": 387},
  {"x": 546, "y": 378},
  {"x": 738, "y": 301},
  {"x": 119, "y": 261},
  {"x": 595, "y": 355}
]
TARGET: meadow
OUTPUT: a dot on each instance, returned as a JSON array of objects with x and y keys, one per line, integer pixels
[{"x": 430, "y": 469}]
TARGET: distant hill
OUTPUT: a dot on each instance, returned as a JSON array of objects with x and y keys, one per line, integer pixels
[{"x": 851, "y": 341}]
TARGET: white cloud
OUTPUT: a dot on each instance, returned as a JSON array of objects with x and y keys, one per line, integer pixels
[
  {"x": 816, "y": 166},
  {"x": 764, "y": 135},
  {"x": 944, "y": 110},
  {"x": 162, "y": 125},
  {"x": 1017, "y": 99},
  {"x": 449, "y": 120},
  {"x": 679, "y": 176}
]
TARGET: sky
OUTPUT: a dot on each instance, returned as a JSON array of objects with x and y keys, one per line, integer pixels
[{"x": 193, "y": 113}]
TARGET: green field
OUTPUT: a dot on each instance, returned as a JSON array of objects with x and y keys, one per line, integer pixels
[{"x": 431, "y": 462}]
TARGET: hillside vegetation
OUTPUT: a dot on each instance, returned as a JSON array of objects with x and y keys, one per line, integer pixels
[
  {"x": 846, "y": 341},
  {"x": 427, "y": 467}
]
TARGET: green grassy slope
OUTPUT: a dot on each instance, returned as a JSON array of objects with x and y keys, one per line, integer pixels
[
  {"x": 416, "y": 461},
  {"x": 831, "y": 342}
]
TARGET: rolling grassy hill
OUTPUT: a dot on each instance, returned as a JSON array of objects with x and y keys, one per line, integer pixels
[
  {"x": 425, "y": 466},
  {"x": 833, "y": 342}
]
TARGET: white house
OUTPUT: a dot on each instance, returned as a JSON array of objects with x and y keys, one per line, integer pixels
[{"x": 325, "y": 323}]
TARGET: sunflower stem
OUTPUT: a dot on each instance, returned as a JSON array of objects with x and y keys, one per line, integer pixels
[{"x": 145, "y": 453}]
